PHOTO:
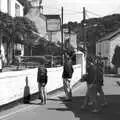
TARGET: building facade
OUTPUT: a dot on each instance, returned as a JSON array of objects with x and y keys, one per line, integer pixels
[
  {"x": 12, "y": 8},
  {"x": 39, "y": 19},
  {"x": 105, "y": 47}
]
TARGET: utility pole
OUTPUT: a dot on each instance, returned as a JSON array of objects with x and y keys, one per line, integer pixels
[
  {"x": 62, "y": 35},
  {"x": 84, "y": 32}
]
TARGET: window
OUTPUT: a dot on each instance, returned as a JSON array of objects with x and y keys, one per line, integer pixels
[{"x": 17, "y": 10}]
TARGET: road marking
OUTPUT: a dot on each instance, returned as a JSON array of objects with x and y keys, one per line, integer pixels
[{"x": 12, "y": 113}]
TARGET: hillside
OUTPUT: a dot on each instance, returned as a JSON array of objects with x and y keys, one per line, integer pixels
[{"x": 96, "y": 28}]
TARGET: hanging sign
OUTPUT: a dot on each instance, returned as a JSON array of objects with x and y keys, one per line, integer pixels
[{"x": 53, "y": 23}]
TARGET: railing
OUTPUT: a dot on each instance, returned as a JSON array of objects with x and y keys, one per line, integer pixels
[{"x": 34, "y": 61}]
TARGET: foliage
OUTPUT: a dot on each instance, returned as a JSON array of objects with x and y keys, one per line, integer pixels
[
  {"x": 6, "y": 24},
  {"x": 16, "y": 29},
  {"x": 47, "y": 47},
  {"x": 25, "y": 28},
  {"x": 116, "y": 57},
  {"x": 95, "y": 29},
  {"x": 13, "y": 26}
]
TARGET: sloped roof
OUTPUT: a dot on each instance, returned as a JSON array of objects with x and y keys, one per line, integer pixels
[
  {"x": 21, "y": 2},
  {"x": 109, "y": 36}
]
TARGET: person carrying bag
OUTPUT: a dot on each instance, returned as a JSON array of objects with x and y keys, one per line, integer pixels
[
  {"x": 42, "y": 81},
  {"x": 67, "y": 75},
  {"x": 92, "y": 84}
]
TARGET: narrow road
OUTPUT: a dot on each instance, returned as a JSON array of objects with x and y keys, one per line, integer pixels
[{"x": 57, "y": 109}]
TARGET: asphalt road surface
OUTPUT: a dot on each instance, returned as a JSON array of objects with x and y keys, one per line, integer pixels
[{"x": 57, "y": 109}]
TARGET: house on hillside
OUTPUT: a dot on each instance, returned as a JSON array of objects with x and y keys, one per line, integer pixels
[
  {"x": 13, "y": 8},
  {"x": 105, "y": 47}
]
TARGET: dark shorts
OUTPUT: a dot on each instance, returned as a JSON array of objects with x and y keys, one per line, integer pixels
[{"x": 43, "y": 84}]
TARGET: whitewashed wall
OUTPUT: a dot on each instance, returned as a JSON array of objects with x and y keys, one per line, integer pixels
[
  {"x": 12, "y": 83},
  {"x": 4, "y": 6},
  {"x": 9, "y": 7}
]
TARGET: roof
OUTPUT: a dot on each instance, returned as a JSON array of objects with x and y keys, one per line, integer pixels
[
  {"x": 51, "y": 16},
  {"x": 109, "y": 36},
  {"x": 21, "y": 2}
]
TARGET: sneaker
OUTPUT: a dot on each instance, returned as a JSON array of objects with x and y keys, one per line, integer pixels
[
  {"x": 90, "y": 103},
  {"x": 104, "y": 104},
  {"x": 83, "y": 107},
  {"x": 96, "y": 110}
]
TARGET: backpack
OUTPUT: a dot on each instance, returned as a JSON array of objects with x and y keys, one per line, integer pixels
[
  {"x": 67, "y": 70},
  {"x": 42, "y": 75}
]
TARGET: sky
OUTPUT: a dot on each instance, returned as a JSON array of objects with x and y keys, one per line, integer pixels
[{"x": 72, "y": 9}]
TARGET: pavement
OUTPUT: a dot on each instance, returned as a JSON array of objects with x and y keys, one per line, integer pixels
[{"x": 58, "y": 109}]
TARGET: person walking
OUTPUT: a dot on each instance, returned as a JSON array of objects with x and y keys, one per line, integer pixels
[
  {"x": 67, "y": 75},
  {"x": 1, "y": 62},
  {"x": 42, "y": 81},
  {"x": 100, "y": 78},
  {"x": 91, "y": 94}
]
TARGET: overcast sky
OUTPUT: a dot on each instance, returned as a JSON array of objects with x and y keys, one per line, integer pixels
[{"x": 73, "y": 8}]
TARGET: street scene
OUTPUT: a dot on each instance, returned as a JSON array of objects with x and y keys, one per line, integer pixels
[
  {"x": 57, "y": 109},
  {"x": 59, "y": 59}
]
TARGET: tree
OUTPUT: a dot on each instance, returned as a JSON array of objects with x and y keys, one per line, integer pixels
[
  {"x": 116, "y": 57},
  {"x": 25, "y": 28},
  {"x": 18, "y": 27},
  {"x": 6, "y": 29},
  {"x": 6, "y": 24}
]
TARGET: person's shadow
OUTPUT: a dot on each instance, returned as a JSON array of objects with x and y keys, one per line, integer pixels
[{"x": 26, "y": 97}]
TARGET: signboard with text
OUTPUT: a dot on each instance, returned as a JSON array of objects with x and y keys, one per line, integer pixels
[{"x": 53, "y": 24}]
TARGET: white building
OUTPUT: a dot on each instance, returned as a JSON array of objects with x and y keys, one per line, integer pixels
[
  {"x": 12, "y": 8},
  {"x": 105, "y": 47},
  {"x": 39, "y": 20}
]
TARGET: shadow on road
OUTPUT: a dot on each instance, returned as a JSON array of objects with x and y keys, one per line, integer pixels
[{"x": 110, "y": 112}]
